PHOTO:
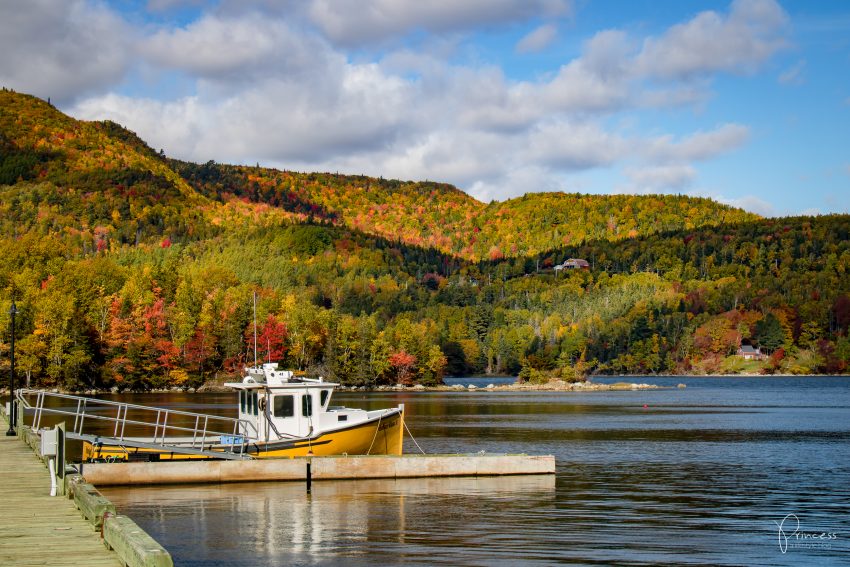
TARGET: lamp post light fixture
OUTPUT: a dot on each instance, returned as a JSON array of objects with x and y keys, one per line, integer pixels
[{"x": 12, "y": 405}]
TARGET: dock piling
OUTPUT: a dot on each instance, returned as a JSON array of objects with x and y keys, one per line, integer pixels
[{"x": 309, "y": 476}]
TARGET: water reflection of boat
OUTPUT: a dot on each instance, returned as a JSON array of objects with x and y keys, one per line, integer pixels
[
  {"x": 279, "y": 415},
  {"x": 338, "y": 522}
]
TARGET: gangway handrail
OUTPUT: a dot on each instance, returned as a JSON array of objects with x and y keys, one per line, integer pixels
[{"x": 86, "y": 408}]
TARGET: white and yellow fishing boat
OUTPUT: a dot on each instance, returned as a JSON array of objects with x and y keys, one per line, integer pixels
[
  {"x": 293, "y": 417},
  {"x": 279, "y": 415}
]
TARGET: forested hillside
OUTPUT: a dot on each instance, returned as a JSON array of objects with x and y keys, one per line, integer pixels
[
  {"x": 436, "y": 215},
  {"x": 134, "y": 270}
]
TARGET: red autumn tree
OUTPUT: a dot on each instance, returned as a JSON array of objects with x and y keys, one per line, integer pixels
[
  {"x": 403, "y": 363},
  {"x": 271, "y": 340}
]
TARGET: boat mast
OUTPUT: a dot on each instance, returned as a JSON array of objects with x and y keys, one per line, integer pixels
[{"x": 255, "y": 329}]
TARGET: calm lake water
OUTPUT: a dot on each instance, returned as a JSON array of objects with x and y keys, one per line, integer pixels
[{"x": 701, "y": 475}]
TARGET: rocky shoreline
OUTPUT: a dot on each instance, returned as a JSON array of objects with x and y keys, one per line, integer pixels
[{"x": 553, "y": 385}]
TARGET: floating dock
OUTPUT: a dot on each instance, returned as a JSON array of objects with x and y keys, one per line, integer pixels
[{"x": 307, "y": 469}]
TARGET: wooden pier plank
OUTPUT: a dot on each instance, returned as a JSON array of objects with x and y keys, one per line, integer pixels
[{"x": 36, "y": 528}]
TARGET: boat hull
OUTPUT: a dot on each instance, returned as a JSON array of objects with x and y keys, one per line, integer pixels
[{"x": 381, "y": 435}]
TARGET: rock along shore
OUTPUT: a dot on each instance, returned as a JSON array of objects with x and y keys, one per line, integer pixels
[{"x": 554, "y": 385}]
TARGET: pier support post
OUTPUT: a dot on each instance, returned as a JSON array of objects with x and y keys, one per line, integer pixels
[{"x": 12, "y": 402}]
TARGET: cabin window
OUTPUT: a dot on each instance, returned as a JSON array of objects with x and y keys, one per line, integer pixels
[
  {"x": 342, "y": 417},
  {"x": 323, "y": 397},
  {"x": 306, "y": 405},
  {"x": 284, "y": 406},
  {"x": 253, "y": 403},
  {"x": 242, "y": 397}
]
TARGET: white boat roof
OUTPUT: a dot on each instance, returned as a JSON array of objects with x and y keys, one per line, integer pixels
[
  {"x": 284, "y": 386},
  {"x": 268, "y": 376}
]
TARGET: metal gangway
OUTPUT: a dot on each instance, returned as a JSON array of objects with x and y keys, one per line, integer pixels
[{"x": 170, "y": 430}]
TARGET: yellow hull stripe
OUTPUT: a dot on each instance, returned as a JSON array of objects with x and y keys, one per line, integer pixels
[{"x": 375, "y": 437}]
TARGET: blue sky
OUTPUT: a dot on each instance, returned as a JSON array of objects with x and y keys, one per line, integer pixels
[{"x": 747, "y": 102}]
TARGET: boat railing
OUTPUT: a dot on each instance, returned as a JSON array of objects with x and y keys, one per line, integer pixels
[{"x": 159, "y": 426}]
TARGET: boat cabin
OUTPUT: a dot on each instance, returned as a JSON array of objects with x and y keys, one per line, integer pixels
[{"x": 275, "y": 404}]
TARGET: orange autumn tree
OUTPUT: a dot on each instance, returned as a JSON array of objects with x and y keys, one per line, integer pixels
[{"x": 403, "y": 364}]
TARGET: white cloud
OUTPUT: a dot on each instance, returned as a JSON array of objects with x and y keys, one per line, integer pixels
[
  {"x": 248, "y": 46},
  {"x": 572, "y": 146},
  {"x": 62, "y": 48},
  {"x": 354, "y": 22},
  {"x": 651, "y": 179},
  {"x": 749, "y": 203},
  {"x": 277, "y": 120},
  {"x": 515, "y": 182},
  {"x": 268, "y": 87},
  {"x": 175, "y": 125},
  {"x": 537, "y": 39},
  {"x": 597, "y": 81},
  {"x": 711, "y": 42},
  {"x": 165, "y": 5},
  {"x": 698, "y": 146}
]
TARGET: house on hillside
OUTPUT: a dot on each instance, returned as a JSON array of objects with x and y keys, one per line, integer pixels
[
  {"x": 576, "y": 264},
  {"x": 747, "y": 352}
]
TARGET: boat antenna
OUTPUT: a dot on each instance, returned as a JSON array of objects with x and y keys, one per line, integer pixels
[{"x": 255, "y": 329}]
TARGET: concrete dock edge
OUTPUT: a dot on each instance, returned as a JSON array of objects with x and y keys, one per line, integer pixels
[{"x": 322, "y": 468}]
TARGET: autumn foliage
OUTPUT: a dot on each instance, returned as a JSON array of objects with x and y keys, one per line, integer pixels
[{"x": 134, "y": 270}]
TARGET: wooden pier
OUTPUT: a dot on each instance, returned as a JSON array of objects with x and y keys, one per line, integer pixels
[{"x": 36, "y": 528}]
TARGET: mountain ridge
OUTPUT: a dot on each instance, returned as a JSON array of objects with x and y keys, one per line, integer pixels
[{"x": 419, "y": 213}]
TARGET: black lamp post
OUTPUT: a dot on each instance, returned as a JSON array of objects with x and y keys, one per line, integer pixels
[{"x": 12, "y": 405}]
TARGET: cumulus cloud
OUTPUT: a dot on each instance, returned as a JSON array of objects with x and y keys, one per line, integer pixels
[
  {"x": 750, "y": 203},
  {"x": 356, "y": 22},
  {"x": 515, "y": 182},
  {"x": 651, "y": 179},
  {"x": 272, "y": 87},
  {"x": 572, "y": 146},
  {"x": 250, "y": 45},
  {"x": 164, "y": 5},
  {"x": 537, "y": 39},
  {"x": 62, "y": 48},
  {"x": 277, "y": 121},
  {"x": 737, "y": 42},
  {"x": 698, "y": 146}
]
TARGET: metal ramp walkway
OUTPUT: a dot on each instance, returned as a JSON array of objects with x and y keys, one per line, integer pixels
[{"x": 144, "y": 427}]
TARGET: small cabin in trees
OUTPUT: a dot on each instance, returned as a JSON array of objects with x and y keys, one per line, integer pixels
[
  {"x": 573, "y": 264},
  {"x": 747, "y": 352}
]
